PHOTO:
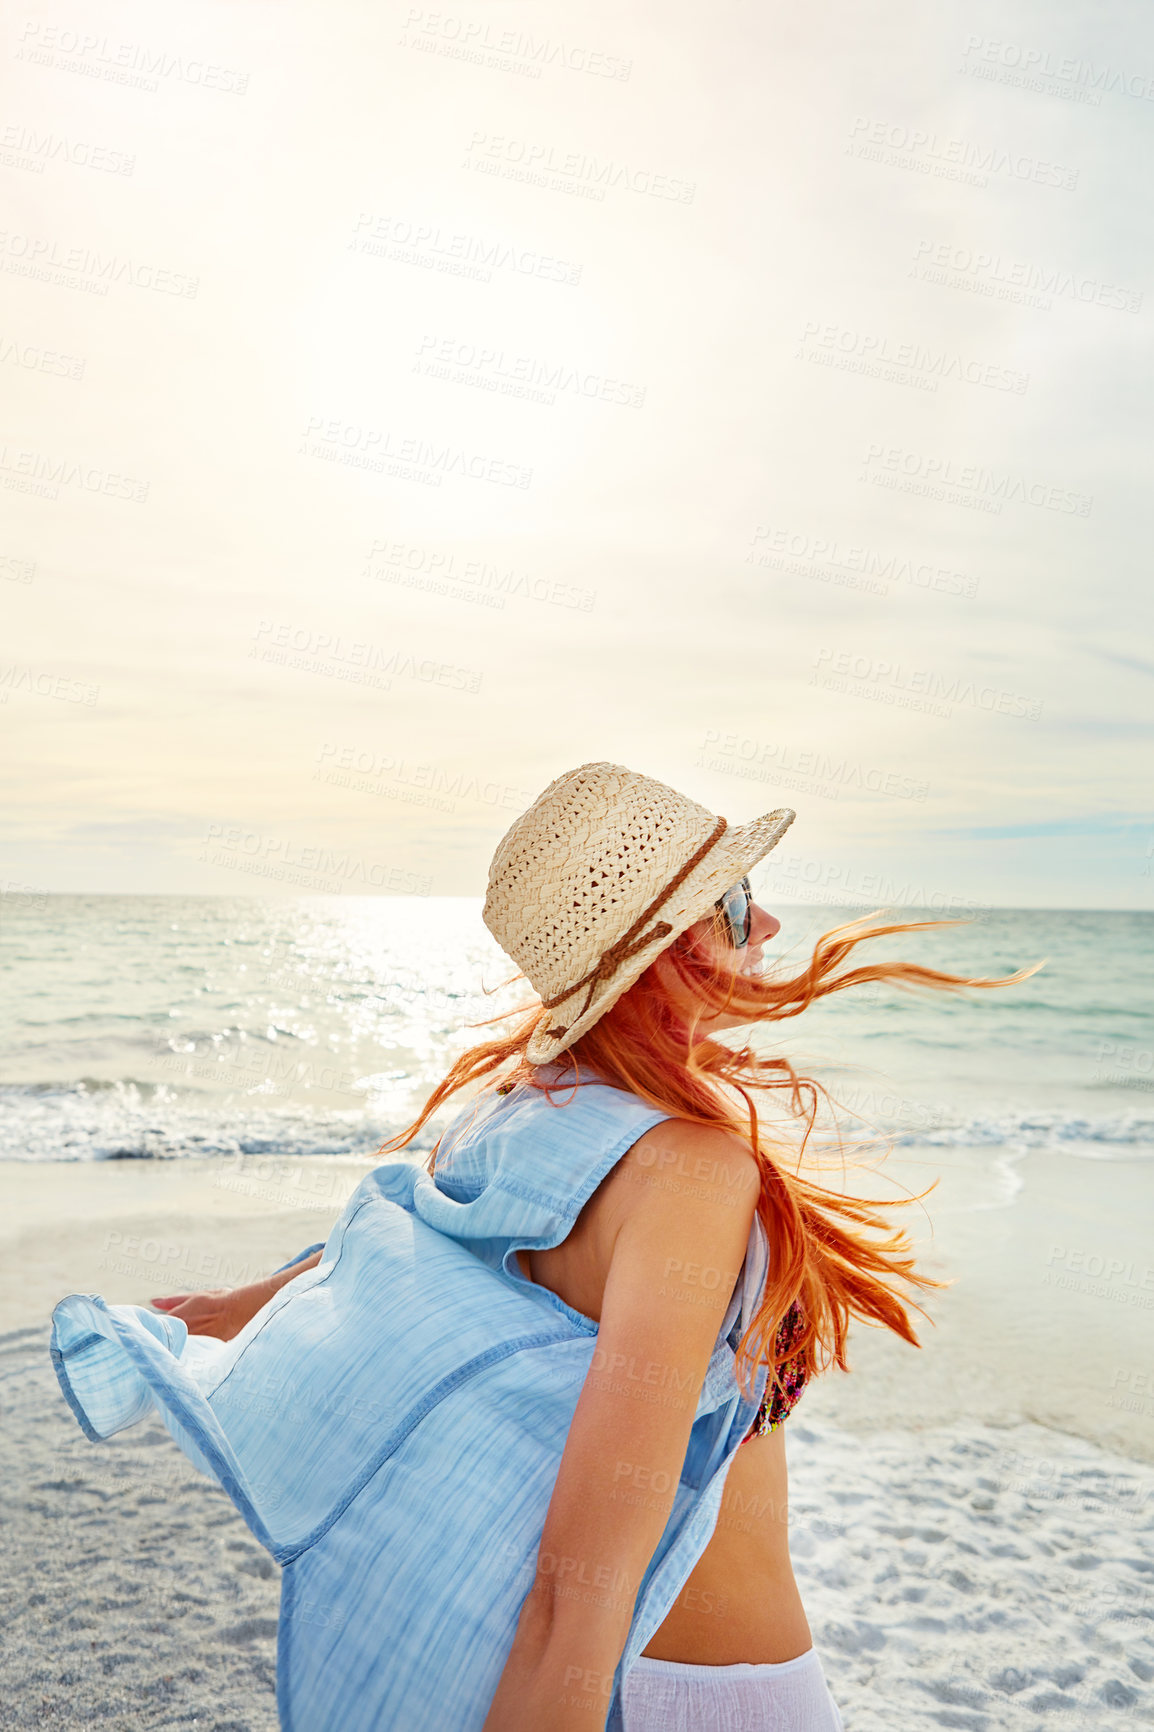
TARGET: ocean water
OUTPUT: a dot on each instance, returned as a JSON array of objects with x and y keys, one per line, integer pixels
[
  {"x": 166, "y": 1026},
  {"x": 155, "y": 1030}
]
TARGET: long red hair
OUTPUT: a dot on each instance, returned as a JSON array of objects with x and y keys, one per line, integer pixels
[{"x": 650, "y": 1043}]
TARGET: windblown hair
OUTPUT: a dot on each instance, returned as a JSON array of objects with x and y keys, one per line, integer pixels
[{"x": 650, "y": 1044}]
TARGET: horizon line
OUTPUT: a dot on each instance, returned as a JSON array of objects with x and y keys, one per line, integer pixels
[{"x": 967, "y": 907}]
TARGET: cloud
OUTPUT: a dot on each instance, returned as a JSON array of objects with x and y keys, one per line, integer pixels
[
  {"x": 1091, "y": 824},
  {"x": 1137, "y": 664}
]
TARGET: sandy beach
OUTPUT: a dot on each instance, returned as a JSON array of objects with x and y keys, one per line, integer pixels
[
  {"x": 135, "y": 1597},
  {"x": 975, "y": 1544}
]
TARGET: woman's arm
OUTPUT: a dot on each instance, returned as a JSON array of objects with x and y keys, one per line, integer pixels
[
  {"x": 676, "y": 1259},
  {"x": 224, "y": 1311}
]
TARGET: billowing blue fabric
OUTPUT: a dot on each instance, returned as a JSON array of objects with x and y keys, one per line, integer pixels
[{"x": 391, "y": 1423}]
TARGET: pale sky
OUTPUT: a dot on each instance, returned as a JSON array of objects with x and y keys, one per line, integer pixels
[{"x": 404, "y": 406}]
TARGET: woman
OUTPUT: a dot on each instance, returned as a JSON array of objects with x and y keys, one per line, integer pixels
[{"x": 591, "y": 1314}]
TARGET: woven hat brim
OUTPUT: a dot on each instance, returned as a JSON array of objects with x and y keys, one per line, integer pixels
[{"x": 735, "y": 855}]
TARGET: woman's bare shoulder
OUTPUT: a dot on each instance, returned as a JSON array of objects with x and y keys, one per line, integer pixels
[
  {"x": 681, "y": 1183},
  {"x": 683, "y": 1167},
  {"x": 689, "y": 1148}
]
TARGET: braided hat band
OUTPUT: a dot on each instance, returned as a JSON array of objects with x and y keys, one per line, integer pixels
[
  {"x": 578, "y": 877},
  {"x": 629, "y": 944}
]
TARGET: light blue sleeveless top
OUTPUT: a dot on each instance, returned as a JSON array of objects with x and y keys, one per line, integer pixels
[{"x": 390, "y": 1425}]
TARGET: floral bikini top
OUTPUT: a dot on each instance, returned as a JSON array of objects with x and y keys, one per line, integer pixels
[{"x": 781, "y": 1398}]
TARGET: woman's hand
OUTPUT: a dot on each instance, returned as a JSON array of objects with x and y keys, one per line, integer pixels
[
  {"x": 220, "y": 1311},
  {"x": 224, "y": 1311}
]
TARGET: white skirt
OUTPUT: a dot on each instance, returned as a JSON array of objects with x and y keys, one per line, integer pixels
[{"x": 665, "y": 1696}]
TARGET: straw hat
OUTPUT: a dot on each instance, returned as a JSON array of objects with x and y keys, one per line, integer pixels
[{"x": 602, "y": 872}]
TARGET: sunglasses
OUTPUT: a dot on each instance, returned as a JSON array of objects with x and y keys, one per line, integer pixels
[{"x": 736, "y": 910}]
